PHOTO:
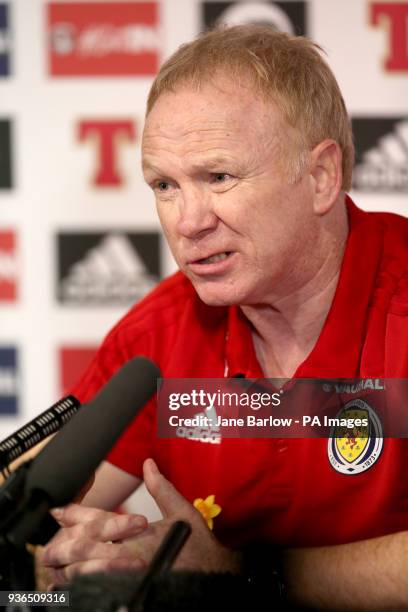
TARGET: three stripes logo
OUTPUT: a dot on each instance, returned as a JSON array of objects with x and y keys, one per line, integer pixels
[
  {"x": 207, "y": 433},
  {"x": 107, "y": 269},
  {"x": 381, "y": 154}
]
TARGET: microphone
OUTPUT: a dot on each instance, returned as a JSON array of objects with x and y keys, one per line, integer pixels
[
  {"x": 68, "y": 461},
  {"x": 38, "y": 429},
  {"x": 64, "y": 466}
]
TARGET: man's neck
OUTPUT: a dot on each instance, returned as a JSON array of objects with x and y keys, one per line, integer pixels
[{"x": 287, "y": 327}]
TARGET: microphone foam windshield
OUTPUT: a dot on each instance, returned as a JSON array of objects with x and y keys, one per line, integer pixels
[{"x": 69, "y": 459}]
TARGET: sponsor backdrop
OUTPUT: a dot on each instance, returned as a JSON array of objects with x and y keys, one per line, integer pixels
[{"x": 79, "y": 237}]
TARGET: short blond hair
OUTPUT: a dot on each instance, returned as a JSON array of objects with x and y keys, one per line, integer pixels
[{"x": 290, "y": 70}]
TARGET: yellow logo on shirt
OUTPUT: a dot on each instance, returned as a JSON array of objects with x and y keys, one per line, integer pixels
[
  {"x": 352, "y": 451},
  {"x": 350, "y": 443}
]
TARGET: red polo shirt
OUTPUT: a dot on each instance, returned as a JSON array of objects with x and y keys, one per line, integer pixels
[{"x": 284, "y": 491}]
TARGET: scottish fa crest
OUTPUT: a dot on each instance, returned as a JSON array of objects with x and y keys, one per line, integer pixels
[{"x": 353, "y": 450}]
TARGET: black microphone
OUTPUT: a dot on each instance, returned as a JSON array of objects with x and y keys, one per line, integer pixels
[
  {"x": 42, "y": 426},
  {"x": 64, "y": 466}
]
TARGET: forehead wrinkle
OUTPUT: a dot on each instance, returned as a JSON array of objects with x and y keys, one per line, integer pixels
[
  {"x": 174, "y": 129},
  {"x": 171, "y": 118},
  {"x": 193, "y": 137},
  {"x": 216, "y": 99},
  {"x": 196, "y": 151},
  {"x": 212, "y": 149},
  {"x": 206, "y": 138}
]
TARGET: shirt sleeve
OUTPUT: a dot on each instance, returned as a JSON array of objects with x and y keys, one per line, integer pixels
[{"x": 135, "y": 444}]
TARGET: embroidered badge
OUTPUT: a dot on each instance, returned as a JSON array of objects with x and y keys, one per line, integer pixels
[
  {"x": 352, "y": 451},
  {"x": 208, "y": 509}
]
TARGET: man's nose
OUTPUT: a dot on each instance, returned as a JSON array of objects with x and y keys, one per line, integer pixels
[{"x": 196, "y": 213}]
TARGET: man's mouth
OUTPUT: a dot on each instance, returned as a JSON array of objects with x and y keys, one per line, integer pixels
[{"x": 213, "y": 258}]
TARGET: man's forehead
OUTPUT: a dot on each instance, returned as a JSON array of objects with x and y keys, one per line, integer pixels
[
  {"x": 218, "y": 90},
  {"x": 210, "y": 111},
  {"x": 173, "y": 110}
]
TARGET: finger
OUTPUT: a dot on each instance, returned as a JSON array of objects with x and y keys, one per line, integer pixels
[
  {"x": 102, "y": 565},
  {"x": 73, "y": 551},
  {"x": 57, "y": 577},
  {"x": 169, "y": 500},
  {"x": 105, "y": 525},
  {"x": 112, "y": 527},
  {"x": 72, "y": 514},
  {"x": 115, "y": 527},
  {"x": 44, "y": 576}
]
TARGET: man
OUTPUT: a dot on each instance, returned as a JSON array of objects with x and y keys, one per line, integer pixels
[{"x": 248, "y": 150}]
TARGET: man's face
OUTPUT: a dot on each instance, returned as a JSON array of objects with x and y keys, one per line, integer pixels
[{"x": 236, "y": 223}]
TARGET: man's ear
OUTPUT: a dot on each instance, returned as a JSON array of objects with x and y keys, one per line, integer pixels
[{"x": 327, "y": 175}]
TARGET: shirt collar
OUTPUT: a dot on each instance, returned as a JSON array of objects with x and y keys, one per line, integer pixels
[{"x": 338, "y": 349}]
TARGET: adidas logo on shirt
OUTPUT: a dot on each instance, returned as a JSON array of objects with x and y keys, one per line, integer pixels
[{"x": 209, "y": 433}]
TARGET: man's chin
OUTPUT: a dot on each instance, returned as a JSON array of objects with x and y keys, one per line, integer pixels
[
  {"x": 219, "y": 292},
  {"x": 216, "y": 298}
]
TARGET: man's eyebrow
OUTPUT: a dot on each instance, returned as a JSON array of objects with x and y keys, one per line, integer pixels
[
  {"x": 218, "y": 162},
  {"x": 147, "y": 165},
  {"x": 199, "y": 163},
  {"x": 213, "y": 162},
  {"x": 196, "y": 163}
]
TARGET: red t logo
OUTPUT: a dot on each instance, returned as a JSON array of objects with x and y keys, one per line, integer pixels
[
  {"x": 395, "y": 16},
  {"x": 108, "y": 135}
]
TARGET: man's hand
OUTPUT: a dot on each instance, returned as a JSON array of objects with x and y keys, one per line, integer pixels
[
  {"x": 202, "y": 551},
  {"x": 93, "y": 540},
  {"x": 90, "y": 541}
]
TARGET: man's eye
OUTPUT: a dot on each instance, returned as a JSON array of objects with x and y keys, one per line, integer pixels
[
  {"x": 221, "y": 177},
  {"x": 163, "y": 185}
]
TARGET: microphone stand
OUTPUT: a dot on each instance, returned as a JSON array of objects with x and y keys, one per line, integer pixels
[
  {"x": 12, "y": 558},
  {"x": 53, "y": 479},
  {"x": 27, "y": 519},
  {"x": 161, "y": 563}
]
